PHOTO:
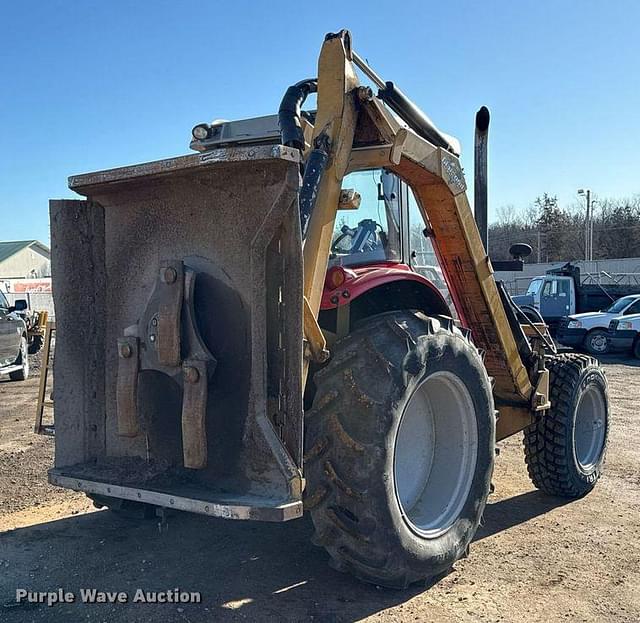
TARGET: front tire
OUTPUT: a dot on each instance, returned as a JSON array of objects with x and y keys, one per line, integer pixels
[
  {"x": 23, "y": 360},
  {"x": 595, "y": 342},
  {"x": 636, "y": 348},
  {"x": 36, "y": 344},
  {"x": 565, "y": 448},
  {"x": 399, "y": 449}
]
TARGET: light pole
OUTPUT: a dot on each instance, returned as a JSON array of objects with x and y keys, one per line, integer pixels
[
  {"x": 588, "y": 251},
  {"x": 593, "y": 203}
]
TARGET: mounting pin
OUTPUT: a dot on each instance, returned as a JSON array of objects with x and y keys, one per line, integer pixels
[
  {"x": 169, "y": 275},
  {"x": 191, "y": 374}
]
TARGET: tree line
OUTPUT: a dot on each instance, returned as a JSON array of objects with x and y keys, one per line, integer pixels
[{"x": 558, "y": 234}]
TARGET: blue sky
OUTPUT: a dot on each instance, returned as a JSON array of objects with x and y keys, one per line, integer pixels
[{"x": 88, "y": 85}]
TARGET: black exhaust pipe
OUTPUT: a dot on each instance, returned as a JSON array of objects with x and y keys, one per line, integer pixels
[{"x": 480, "y": 194}]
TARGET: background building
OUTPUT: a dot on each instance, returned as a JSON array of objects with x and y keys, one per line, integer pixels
[{"x": 24, "y": 259}]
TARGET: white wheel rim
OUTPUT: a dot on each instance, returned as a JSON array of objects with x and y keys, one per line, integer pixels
[
  {"x": 590, "y": 428},
  {"x": 598, "y": 342},
  {"x": 435, "y": 454}
]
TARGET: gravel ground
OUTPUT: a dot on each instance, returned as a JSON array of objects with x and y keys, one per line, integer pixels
[{"x": 535, "y": 558}]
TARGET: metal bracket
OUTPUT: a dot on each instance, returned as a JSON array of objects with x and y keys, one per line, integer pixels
[
  {"x": 170, "y": 288},
  {"x": 314, "y": 338},
  {"x": 541, "y": 400},
  {"x": 194, "y": 410},
  {"x": 127, "y": 386},
  {"x": 167, "y": 339},
  {"x": 398, "y": 145}
]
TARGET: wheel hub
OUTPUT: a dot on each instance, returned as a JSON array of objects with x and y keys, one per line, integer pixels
[{"x": 599, "y": 343}]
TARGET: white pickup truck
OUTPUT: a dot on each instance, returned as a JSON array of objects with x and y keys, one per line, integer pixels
[
  {"x": 624, "y": 335},
  {"x": 590, "y": 330}
]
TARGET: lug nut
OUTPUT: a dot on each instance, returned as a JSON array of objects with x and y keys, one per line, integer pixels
[{"x": 191, "y": 374}]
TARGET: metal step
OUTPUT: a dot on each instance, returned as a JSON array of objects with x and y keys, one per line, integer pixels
[{"x": 191, "y": 499}]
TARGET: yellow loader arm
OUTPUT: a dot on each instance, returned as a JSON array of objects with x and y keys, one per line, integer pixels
[{"x": 349, "y": 114}]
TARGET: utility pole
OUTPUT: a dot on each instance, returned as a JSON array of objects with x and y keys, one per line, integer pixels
[
  {"x": 588, "y": 230},
  {"x": 593, "y": 202}
]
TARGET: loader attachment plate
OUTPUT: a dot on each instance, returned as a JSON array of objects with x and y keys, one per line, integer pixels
[
  {"x": 186, "y": 499},
  {"x": 187, "y": 365}
]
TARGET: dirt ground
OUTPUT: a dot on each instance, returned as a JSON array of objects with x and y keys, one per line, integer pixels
[{"x": 535, "y": 558}]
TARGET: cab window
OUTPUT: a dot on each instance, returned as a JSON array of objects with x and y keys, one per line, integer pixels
[
  {"x": 633, "y": 309},
  {"x": 371, "y": 233},
  {"x": 550, "y": 288},
  {"x": 421, "y": 252},
  {"x": 534, "y": 286},
  {"x": 564, "y": 287}
]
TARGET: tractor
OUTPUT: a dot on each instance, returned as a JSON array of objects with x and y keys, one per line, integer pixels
[{"x": 302, "y": 316}]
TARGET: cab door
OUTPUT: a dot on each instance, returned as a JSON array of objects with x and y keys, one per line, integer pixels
[{"x": 555, "y": 297}]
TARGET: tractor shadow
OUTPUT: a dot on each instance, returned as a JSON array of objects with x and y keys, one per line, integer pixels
[
  {"x": 243, "y": 570},
  {"x": 504, "y": 514}
]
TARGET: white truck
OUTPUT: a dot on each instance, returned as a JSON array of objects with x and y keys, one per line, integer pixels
[
  {"x": 624, "y": 335},
  {"x": 590, "y": 330}
]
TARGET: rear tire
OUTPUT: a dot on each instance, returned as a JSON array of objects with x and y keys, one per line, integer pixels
[
  {"x": 23, "y": 360},
  {"x": 565, "y": 449},
  {"x": 595, "y": 342},
  {"x": 636, "y": 348},
  {"x": 399, "y": 449}
]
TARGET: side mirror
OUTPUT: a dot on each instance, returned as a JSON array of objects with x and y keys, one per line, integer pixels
[{"x": 20, "y": 305}]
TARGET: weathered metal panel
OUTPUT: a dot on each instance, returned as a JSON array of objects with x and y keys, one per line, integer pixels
[
  {"x": 218, "y": 213},
  {"x": 79, "y": 280}
]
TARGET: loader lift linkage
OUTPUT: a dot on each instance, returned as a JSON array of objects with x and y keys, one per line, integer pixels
[{"x": 192, "y": 390}]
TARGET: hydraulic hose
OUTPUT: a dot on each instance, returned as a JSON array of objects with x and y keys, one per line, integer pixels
[{"x": 290, "y": 111}]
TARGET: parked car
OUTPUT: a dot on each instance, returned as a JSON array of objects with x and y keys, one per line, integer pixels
[
  {"x": 14, "y": 357},
  {"x": 590, "y": 330},
  {"x": 624, "y": 335}
]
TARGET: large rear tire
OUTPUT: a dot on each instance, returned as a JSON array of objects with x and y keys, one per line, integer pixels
[
  {"x": 399, "y": 449},
  {"x": 565, "y": 449}
]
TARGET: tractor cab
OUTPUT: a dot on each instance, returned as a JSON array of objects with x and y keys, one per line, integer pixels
[{"x": 381, "y": 248}]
